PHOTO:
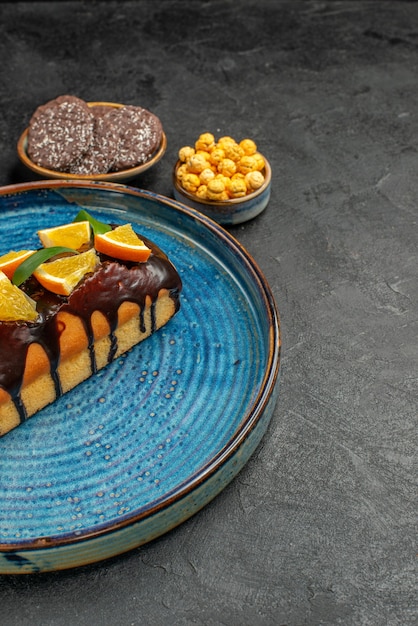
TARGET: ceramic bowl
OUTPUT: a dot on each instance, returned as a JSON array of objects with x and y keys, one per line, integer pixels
[
  {"x": 228, "y": 212},
  {"x": 118, "y": 176}
]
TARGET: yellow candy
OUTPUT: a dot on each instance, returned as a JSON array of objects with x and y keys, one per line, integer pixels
[
  {"x": 190, "y": 182},
  {"x": 233, "y": 151},
  {"x": 216, "y": 185},
  {"x": 223, "y": 178},
  {"x": 223, "y": 141},
  {"x": 216, "y": 155},
  {"x": 247, "y": 164},
  {"x": 260, "y": 161},
  {"x": 181, "y": 171},
  {"x": 237, "y": 188},
  {"x": 203, "y": 153},
  {"x": 205, "y": 142},
  {"x": 197, "y": 163},
  {"x": 201, "y": 192},
  {"x": 206, "y": 175},
  {"x": 248, "y": 146},
  {"x": 227, "y": 167},
  {"x": 254, "y": 180},
  {"x": 220, "y": 197},
  {"x": 216, "y": 190},
  {"x": 185, "y": 153},
  {"x": 220, "y": 170}
]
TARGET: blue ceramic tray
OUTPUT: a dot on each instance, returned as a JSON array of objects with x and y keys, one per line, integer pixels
[{"x": 152, "y": 438}]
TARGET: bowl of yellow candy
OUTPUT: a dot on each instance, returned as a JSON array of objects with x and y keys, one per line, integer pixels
[{"x": 228, "y": 181}]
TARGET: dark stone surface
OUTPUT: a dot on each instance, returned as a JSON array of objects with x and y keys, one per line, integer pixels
[{"x": 319, "y": 527}]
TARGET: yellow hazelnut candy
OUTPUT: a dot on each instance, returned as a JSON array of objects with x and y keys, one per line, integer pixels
[
  {"x": 237, "y": 188},
  {"x": 260, "y": 161},
  {"x": 233, "y": 151},
  {"x": 248, "y": 146},
  {"x": 197, "y": 163},
  {"x": 254, "y": 180},
  {"x": 205, "y": 142},
  {"x": 185, "y": 153},
  {"x": 181, "y": 171},
  {"x": 217, "y": 185},
  {"x": 216, "y": 190},
  {"x": 218, "y": 197},
  {"x": 203, "y": 153},
  {"x": 238, "y": 175},
  {"x": 227, "y": 167},
  {"x": 190, "y": 182},
  {"x": 223, "y": 141},
  {"x": 201, "y": 192},
  {"x": 223, "y": 178},
  {"x": 216, "y": 155},
  {"x": 206, "y": 175},
  {"x": 247, "y": 164}
]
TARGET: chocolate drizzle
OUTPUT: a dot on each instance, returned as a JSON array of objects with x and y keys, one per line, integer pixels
[{"x": 104, "y": 290}]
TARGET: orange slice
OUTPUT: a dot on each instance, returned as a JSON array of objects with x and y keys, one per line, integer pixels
[
  {"x": 15, "y": 305},
  {"x": 10, "y": 261},
  {"x": 122, "y": 243},
  {"x": 62, "y": 275},
  {"x": 74, "y": 235}
]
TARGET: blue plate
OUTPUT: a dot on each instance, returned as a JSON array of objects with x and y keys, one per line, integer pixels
[{"x": 151, "y": 439}]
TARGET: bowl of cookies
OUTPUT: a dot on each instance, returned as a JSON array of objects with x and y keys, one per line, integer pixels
[
  {"x": 69, "y": 138},
  {"x": 227, "y": 180}
]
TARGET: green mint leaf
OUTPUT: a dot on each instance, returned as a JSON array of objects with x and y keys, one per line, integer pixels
[{"x": 98, "y": 227}]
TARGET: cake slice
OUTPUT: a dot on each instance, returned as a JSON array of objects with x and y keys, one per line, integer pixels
[{"x": 115, "y": 305}]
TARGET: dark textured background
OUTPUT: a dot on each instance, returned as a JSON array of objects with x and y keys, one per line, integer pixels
[{"x": 319, "y": 527}]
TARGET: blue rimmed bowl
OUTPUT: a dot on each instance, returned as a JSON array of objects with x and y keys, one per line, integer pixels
[
  {"x": 227, "y": 212},
  {"x": 147, "y": 442}
]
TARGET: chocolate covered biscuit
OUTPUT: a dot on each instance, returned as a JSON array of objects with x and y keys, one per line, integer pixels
[{"x": 60, "y": 132}]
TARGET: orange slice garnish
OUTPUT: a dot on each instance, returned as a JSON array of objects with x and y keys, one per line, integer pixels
[
  {"x": 62, "y": 275},
  {"x": 10, "y": 262},
  {"x": 74, "y": 235},
  {"x": 15, "y": 305},
  {"x": 122, "y": 243}
]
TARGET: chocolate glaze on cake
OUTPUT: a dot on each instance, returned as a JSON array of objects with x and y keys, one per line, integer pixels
[{"x": 104, "y": 290}]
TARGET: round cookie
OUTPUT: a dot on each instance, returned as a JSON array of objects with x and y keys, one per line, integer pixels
[
  {"x": 60, "y": 132},
  {"x": 101, "y": 154},
  {"x": 140, "y": 133}
]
